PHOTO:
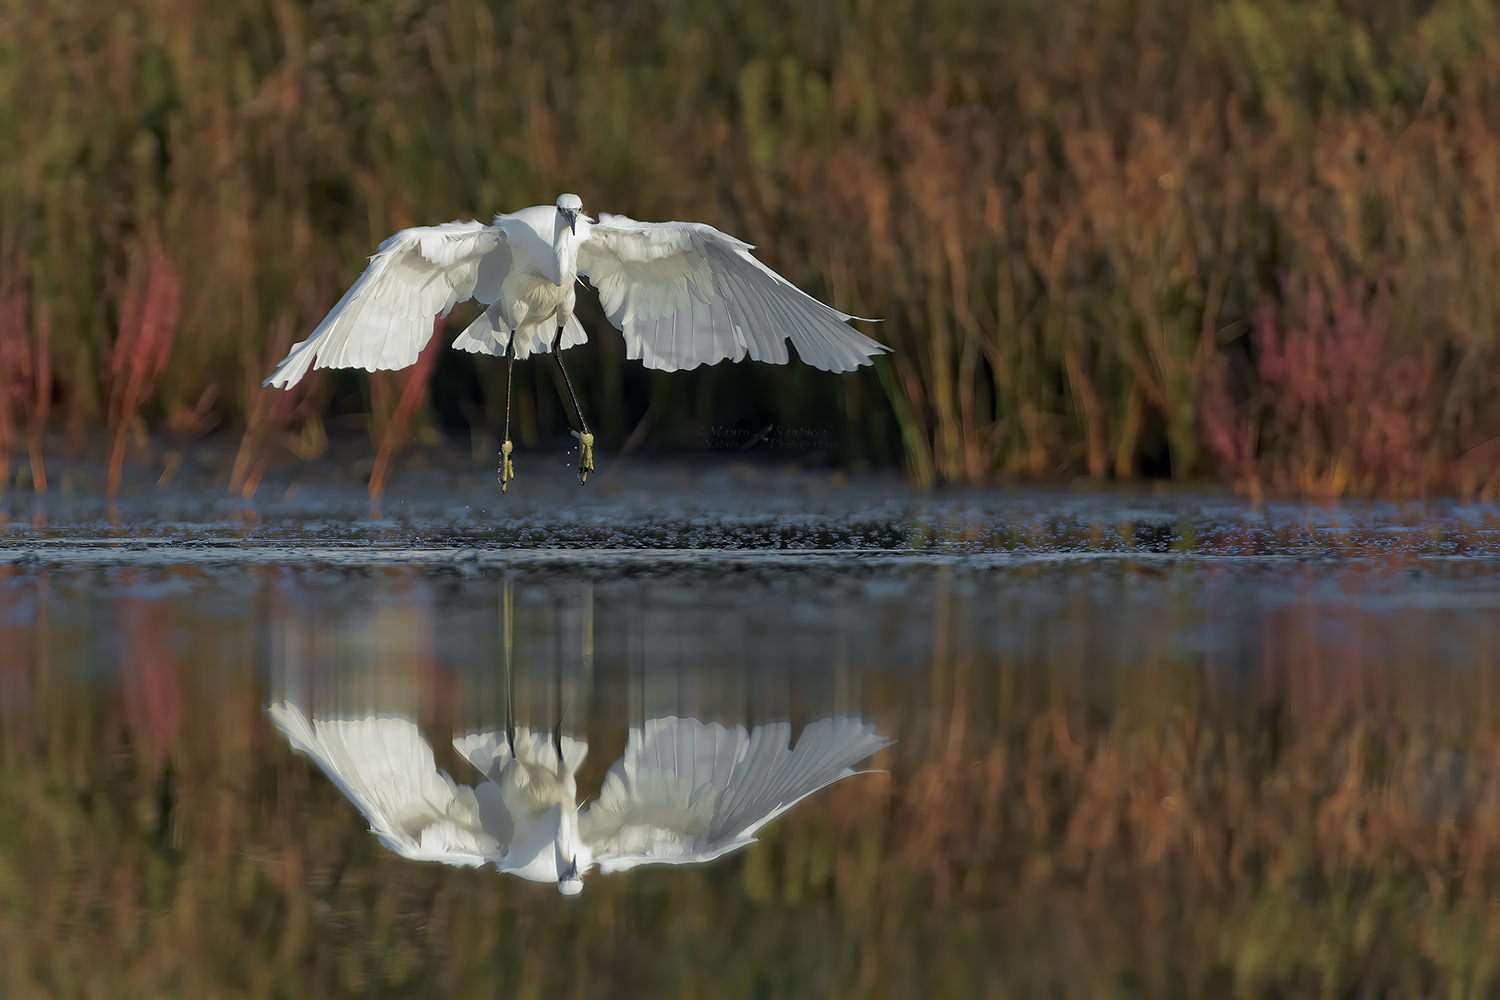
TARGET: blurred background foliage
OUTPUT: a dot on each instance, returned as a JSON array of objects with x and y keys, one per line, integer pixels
[{"x": 1114, "y": 238}]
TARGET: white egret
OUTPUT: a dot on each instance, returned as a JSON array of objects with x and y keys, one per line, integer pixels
[
  {"x": 683, "y": 293},
  {"x": 685, "y": 791}
]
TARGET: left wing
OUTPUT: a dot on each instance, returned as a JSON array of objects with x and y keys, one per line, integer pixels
[
  {"x": 386, "y": 317},
  {"x": 688, "y": 791},
  {"x": 386, "y": 769},
  {"x": 685, "y": 294}
]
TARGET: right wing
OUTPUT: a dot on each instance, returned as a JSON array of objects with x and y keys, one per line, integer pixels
[
  {"x": 386, "y": 769},
  {"x": 689, "y": 791},
  {"x": 685, "y": 294},
  {"x": 386, "y": 317}
]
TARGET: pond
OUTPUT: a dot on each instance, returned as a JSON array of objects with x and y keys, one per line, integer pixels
[{"x": 1143, "y": 745}]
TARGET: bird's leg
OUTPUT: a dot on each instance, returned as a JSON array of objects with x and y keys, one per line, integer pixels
[
  {"x": 507, "y": 472},
  {"x": 583, "y": 434}
]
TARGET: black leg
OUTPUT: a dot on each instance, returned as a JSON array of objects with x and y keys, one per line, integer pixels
[
  {"x": 507, "y": 473},
  {"x": 583, "y": 434}
]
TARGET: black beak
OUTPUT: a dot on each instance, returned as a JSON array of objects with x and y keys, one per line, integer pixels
[{"x": 572, "y": 218}]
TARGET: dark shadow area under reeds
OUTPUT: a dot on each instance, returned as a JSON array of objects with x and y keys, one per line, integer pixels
[{"x": 1172, "y": 238}]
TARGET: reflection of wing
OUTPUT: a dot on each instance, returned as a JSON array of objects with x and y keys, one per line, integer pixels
[
  {"x": 489, "y": 753},
  {"x": 386, "y": 769},
  {"x": 690, "y": 791},
  {"x": 685, "y": 294}
]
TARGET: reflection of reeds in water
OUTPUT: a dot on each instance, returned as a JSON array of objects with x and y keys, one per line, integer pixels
[
  {"x": 1107, "y": 238},
  {"x": 1047, "y": 824}
]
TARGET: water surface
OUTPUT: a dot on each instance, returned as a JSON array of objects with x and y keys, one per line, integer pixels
[{"x": 1145, "y": 746}]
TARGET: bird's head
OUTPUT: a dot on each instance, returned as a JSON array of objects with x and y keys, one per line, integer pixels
[
  {"x": 569, "y": 207},
  {"x": 570, "y": 883}
]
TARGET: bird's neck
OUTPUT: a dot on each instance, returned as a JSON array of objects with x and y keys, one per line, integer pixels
[
  {"x": 569, "y": 844},
  {"x": 566, "y": 248}
]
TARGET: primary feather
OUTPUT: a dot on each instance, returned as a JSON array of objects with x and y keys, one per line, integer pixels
[
  {"x": 689, "y": 791},
  {"x": 386, "y": 769}
]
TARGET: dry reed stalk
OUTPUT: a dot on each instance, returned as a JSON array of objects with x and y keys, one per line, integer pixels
[
  {"x": 412, "y": 388},
  {"x": 143, "y": 344},
  {"x": 273, "y": 412}
]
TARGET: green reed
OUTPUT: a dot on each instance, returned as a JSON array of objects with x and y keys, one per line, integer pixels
[{"x": 1108, "y": 239}]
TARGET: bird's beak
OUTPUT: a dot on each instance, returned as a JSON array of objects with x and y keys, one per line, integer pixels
[{"x": 572, "y": 218}]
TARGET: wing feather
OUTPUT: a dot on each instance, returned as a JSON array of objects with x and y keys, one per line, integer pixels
[
  {"x": 386, "y": 769},
  {"x": 488, "y": 751},
  {"x": 688, "y": 791},
  {"x": 386, "y": 317},
  {"x": 645, "y": 272},
  {"x": 766, "y": 343}
]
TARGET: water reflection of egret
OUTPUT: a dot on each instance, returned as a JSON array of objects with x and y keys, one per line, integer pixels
[{"x": 685, "y": 791}]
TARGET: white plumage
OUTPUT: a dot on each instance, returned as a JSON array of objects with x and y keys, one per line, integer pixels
[
  {"x": 683, "y": 293},
  {"x": 685, "y": 791}
]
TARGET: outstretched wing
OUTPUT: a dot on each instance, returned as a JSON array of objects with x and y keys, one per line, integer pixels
[
  {"x": 386, "y": 318},
  {"x": 386, "y": 769},
  {"x": 685, "y": 294},
  {"x": 689, "y": 791}
]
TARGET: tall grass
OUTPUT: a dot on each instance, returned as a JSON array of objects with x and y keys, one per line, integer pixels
[{"x": 1252, "y": 240}]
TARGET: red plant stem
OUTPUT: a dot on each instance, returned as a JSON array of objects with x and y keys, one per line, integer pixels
[
  {"x": 15, "y": 370},
  {"x": 414, "y": 386},
  {"x": 42, "y": 400},
  {"x": 6, "y": 377},
  {"x": 148, "y": 323}
]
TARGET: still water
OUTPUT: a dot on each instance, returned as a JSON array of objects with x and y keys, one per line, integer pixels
[{"x": 1150, "y": 749}]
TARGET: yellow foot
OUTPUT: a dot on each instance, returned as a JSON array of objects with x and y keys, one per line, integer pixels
[
  {"x": 585, "y": 455},
  {"x": 507, "y": 471}
]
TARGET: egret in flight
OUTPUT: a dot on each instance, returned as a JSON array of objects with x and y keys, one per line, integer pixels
[
  {"x": 685, "y": 791},
  {"x": 683, "y": 293}
]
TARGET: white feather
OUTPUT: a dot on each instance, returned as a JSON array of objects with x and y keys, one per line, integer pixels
[
  {"x": 684, "y": 294},
  {"x": 654, "y": 279},
  {"x": 386, "y": 317},
  {"x": 688, "y": 791},
  {"x": 684, "y": 791},
  {"x": 386, "y": 769}
]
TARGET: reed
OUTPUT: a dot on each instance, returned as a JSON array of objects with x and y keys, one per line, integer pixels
[
  {"x": 1094, "y": 230},
  {"x": 411, "y": 389},
  {"x": 148, "y": 324}
]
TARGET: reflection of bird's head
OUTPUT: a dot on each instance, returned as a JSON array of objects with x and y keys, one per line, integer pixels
[
  {"x": 570, "y": 883},
  {"x": 569, "y": 206}
]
